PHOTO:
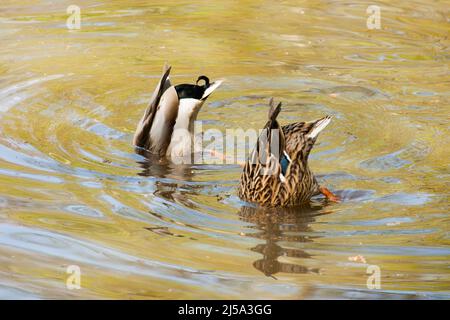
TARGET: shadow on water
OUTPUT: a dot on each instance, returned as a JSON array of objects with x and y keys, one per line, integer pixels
[{"x": 277, "y": 225}]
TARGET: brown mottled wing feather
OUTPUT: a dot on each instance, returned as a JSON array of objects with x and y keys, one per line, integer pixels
[
  {"x": 276, "y": 136},
  {"x": 142, "y": 134},
  {"x": 259, "y": 180},
  {"x": 297, "y": 132},
  {"x": 300, "y": 183},
  {"x": 293, "y": 129}
]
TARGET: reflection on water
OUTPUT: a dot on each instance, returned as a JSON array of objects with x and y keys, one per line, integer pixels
[
  {"x": 152, "y": 166},
  {"x": 73, "y": 191},
  {"x": 278, "y": 225}
]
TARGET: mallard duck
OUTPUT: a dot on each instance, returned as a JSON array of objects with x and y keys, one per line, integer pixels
[
  {"x": 167, "y": 126},
  {"x": 277, "y": 172}
]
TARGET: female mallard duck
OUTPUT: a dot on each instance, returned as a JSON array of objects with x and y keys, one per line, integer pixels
[
  {"x": 167, "y": 125},
  {"x": 277, "y": 172}
]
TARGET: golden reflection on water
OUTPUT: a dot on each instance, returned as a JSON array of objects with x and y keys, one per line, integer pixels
[{"x": 73, "y": 191}]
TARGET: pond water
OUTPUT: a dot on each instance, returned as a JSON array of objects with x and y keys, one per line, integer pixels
[{"x": 74, "y": 192}]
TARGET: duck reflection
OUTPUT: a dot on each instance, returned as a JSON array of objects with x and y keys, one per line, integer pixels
[
  {"x": 287, "y": 225},
  {"x": 154, "y": 166},
  {"x": 172, "y": 180}
]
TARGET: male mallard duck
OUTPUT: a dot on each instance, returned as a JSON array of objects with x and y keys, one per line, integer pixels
[
  {"x": 277, "y": 172},
  {"x": 167, "y": 125}
]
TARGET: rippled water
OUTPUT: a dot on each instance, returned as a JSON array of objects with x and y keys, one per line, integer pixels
[{"x": 74, "y": 192}]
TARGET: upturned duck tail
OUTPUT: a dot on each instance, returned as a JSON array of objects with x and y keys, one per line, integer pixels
[{"x": 274, "y": 110}]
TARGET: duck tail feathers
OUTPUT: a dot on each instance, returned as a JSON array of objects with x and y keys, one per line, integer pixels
[
  {"x": 213, "y": 86},
  {"x": 274, "y": 110},
  {"x": 319, "y": 126}
]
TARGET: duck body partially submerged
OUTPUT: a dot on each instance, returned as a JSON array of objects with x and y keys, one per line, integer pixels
[
  {"x": 166, "y": 128},
  {"x": 277, "y": 172}
]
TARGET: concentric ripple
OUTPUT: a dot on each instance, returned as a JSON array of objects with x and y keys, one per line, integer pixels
[{"x": 73, "y": 191}]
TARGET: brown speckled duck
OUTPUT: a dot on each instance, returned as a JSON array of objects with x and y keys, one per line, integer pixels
[{"x": 277, "y": 171}]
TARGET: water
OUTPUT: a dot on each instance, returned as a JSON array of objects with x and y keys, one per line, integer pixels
[{"x": 74, "y": 192}]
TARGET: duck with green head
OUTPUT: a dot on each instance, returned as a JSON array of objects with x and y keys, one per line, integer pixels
[{"x": 277, "y": 171}]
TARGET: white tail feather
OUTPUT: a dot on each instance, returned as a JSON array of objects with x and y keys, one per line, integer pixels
[
  {"x": 319, "y": 127},
  {"x": 211, "y": 88}
]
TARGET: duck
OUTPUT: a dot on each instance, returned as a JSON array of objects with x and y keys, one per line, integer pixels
[
  {"x": 277, "y": 174},
  {"x": 166, "y": 128}
]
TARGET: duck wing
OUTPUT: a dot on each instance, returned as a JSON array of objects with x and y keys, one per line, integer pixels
[
  {"x": 142, "y": 135},
  {"x": 271, "y": 140},
  {"x": 260, "y": 178}
]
